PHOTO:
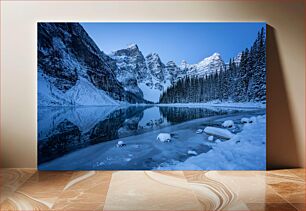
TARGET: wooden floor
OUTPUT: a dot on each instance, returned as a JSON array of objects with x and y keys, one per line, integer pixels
[{"x": 27, "y": 189}]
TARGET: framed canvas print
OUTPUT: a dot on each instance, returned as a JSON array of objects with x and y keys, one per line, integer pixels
[{"x": 151, "y": 96}]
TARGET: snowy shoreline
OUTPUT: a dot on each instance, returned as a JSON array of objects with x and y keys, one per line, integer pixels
[
  {"x": 244, "y": 151},
  {"x": 218, "y": 104},
  {"x": 190, "y": 105}
]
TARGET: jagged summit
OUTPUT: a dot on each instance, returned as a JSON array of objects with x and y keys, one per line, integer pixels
[
  {"x": 214, "y": 57},
  {"x": 216, "y": 54},
  {"x": 154, "y": 57},
  {"x": 207, "y": 66},
  {"x": 237, "y": 59},
  {"x": 131, "y": 50},
  {"x": 133, "y": 46}
]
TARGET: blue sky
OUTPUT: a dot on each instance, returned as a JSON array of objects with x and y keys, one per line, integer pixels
[{"x": 176, "y": 41}]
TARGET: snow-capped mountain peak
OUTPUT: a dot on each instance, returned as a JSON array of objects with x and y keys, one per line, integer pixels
[
  {"x": 207, "y": 66},
  {"x": 184, "y": 65},
  {"x": 155, "y": 65},
  {"x": 131, "y": 51},
  {"x": 237, "y": 59},
  {"x": 206, "y": 61},
  {"x": 171, "y": 63},
  {"x": 133, "y": 46},
  {"x": 216, "y": 54},
  {"x": 153, "y": 56}
]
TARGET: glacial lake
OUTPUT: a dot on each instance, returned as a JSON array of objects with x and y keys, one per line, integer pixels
[{"x": 80, "y": 138}]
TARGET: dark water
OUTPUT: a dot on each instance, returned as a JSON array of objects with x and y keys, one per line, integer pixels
[{"x": 62, "y": 130}]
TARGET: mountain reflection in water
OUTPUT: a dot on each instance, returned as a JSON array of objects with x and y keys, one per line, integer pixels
[{"x": 62, "y": 130}]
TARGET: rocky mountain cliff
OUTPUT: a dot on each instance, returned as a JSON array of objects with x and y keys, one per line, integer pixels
[
  {"x": 145, "y": 76},
  {"x": 73, "y": 71}
]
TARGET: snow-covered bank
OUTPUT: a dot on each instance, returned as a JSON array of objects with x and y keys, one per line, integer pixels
[
  {"x": 245, "y": 151},
  {"x": 250, "y": 105}
]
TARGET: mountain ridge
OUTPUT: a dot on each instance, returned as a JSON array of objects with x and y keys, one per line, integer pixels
[
  {"x": 153, "y": 76},
  {"x": 70, "y": 61}
]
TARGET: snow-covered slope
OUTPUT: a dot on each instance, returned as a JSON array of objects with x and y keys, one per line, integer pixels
[
  {"x": 152, "y": 93},
  {"x": 82, "y": 93}
]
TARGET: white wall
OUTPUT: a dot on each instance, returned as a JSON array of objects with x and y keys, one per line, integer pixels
[{"x": 286, "y": 66}]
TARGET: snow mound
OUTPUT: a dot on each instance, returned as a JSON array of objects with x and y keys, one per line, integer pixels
[
  {"x": 218, "y": 141},
  {"x": 245, "y": 120},
  {"x": 222, "y": 133},
  {"x": 228, "y": 123},
  {"x": 252, "y": 119},
  {"x": 191, "y": 152},
  {"x": 260, "y": 117},
  {"x": 199, "y": 131},
  {"x": 121, "y": 144},
  {"x": 164, "y": 137},
  {"x": 210, "y": 138}
]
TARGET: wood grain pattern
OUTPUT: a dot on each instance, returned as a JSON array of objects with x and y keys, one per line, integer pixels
[
  {"x": 11, "y": 179},
  {"x": 28, "y": 189},
  {"x": 85, "y": 191},
  {"x": 288, "y": 184},
  {"x": 147, "y": 190}
]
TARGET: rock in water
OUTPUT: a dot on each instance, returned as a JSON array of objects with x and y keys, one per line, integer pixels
[
  {"x": 191, "y": 152},
  {"x": 164, "y": 137},
  {"x": 228, "y": 123},
  {"x": 210, "y": 138},
  {"x": 222, "y": 133},
  {"x": 199, "y": 131}
]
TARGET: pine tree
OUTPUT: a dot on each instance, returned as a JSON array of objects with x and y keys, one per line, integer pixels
[{"x": 246, "y": 82}]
